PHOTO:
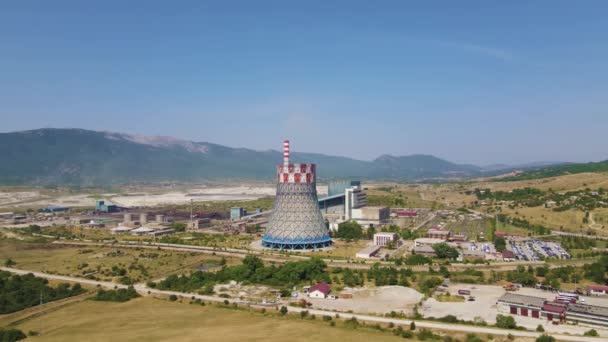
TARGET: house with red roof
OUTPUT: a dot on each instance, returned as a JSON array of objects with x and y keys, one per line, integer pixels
[
  {"x": 508, "y": 255},
  {"x": 597, "y": 290},
  {"x": 321, "y": 290}
]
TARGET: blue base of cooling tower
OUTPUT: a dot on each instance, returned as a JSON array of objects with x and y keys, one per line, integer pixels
[{"x": 296, "y": 244}]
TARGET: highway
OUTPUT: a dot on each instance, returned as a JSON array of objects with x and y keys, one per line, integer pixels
[{"x": 143, "y": 290}]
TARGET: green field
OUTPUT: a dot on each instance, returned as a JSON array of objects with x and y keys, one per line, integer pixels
[{"x": 148, "y": 319}]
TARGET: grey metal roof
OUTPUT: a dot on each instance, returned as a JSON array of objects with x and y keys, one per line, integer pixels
[
  {"x": 512, "y": 298},
  {"x": 600, "y": 311}
]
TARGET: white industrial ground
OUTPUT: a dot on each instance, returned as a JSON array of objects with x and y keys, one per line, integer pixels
[{"x": 20, "y": 199}]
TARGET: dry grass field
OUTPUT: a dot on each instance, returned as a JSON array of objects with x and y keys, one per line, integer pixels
[
  {"x": 148, "y": 319},
  {"x": 71, "y": 261}
]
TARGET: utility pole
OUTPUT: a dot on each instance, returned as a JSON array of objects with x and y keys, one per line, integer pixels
[{"x": 191, "y": 215}]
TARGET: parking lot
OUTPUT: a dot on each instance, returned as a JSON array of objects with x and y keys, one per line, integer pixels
[{"x": 535, "y": 250}]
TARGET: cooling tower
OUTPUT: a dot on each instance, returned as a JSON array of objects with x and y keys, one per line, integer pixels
[{"x": 296, "y": 221}]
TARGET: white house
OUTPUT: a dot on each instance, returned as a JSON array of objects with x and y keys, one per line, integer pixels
[{"x": 321, "y": 290}]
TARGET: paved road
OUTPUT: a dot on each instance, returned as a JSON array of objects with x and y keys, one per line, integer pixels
[{"x": 143, "y": 290}]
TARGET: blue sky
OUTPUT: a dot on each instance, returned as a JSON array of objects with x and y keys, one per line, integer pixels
[{"x": 470, "y": 81}]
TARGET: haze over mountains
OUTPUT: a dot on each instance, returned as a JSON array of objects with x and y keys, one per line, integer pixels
[{"x": 83, "y": 157}]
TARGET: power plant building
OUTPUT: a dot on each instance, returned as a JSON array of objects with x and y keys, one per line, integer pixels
[{"x": 296, "y": 222}]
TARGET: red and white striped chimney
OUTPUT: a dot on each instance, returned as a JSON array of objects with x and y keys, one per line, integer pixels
[{"x": 286, "y": 153}]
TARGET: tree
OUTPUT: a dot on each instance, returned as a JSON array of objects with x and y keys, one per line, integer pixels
[
  {"x": 545, "y": 338},
  {"x": 349, "y": 230},
  {"x": 540, "y": 328},
  {"x": 283, "y": 310},
  {"x": 505, "y": 322},
  {"x": 412, "y": 326},
  {"x": 178, "y": 226},
  {"x": 10, "y": 335},
  {"x": 172, "y": 298},
  {"x": 444, "y": 251},
  {"x": 591, "y": 332},
  {"x": 500, "y": 243},
  {"x": 9, "y": 263}
]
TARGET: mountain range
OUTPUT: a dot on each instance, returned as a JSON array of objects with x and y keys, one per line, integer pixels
[{"x": 84, "y": 157}]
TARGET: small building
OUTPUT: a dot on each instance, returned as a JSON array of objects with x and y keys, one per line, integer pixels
[
  {"x": 438, "y": 234},
  {"x": 199, "y": 223},
  {"x": 427, "y": 241},
  {"x": 425, "y": 250},
  {"x": 458, "y": 238},
  {"x": 368, "y": 252},
  {"x": 508, "y": 255},
  {"x": 141, "y": 231},
  {"x": 521, "y": 305},
  {"x": 407, "y": 213},
  {"x": 7, "y": 215},
  {"x": 321, "y": 290},
  {"x": 384, "y": 239},
  {"x": 237, "y": 212},
  {"x": 468, "y": 254},
  {"x": 54, "y": 209},
  {"x": 597, "y": 290},
  {"x": 121, "y": 229},
  {"x": 159, "y": 232}
]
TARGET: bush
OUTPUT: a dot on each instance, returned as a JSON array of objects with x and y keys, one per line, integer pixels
[
  {"x": 120, "y": 295},
  {"x": 505, "y": 322},
  {"x": 351, "y": 323},
  {"x": 172, "y": 298},
  {"x": 540, "y": 328},
  {"x": 303, "y": 314},
  {"x": 11, "y": 335},
  {"x": 425, "y": 334},
  {"x": 18, "y": 292},
  {"x": 283, "y": 310},
  {"x": 412, "y": 326},
  {"x": 326, "y": 318},
  {"x": 591, "y": 332},
  {"x": 545, "y": 338},
  {"x": 473, "y": 338},
  {"x": 407, "y": 334}
]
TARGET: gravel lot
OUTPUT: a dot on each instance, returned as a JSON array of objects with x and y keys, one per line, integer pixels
[{"x": 378, "y": 300}]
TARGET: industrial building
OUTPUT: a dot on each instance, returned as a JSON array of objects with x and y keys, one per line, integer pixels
[
  {"x": 368, "y": 252},
  {"x": 54, "y": 209},
  {"x": 436, "y": 233},
  {"x": 384, "y": 239},
  {"x": 536, "y": 307},
  {"x": 101, "y": 206},
  {"x": 237, "y": 212},
  {"x": 296, "y": 221},
  {"x": 370, "y": 216}
]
